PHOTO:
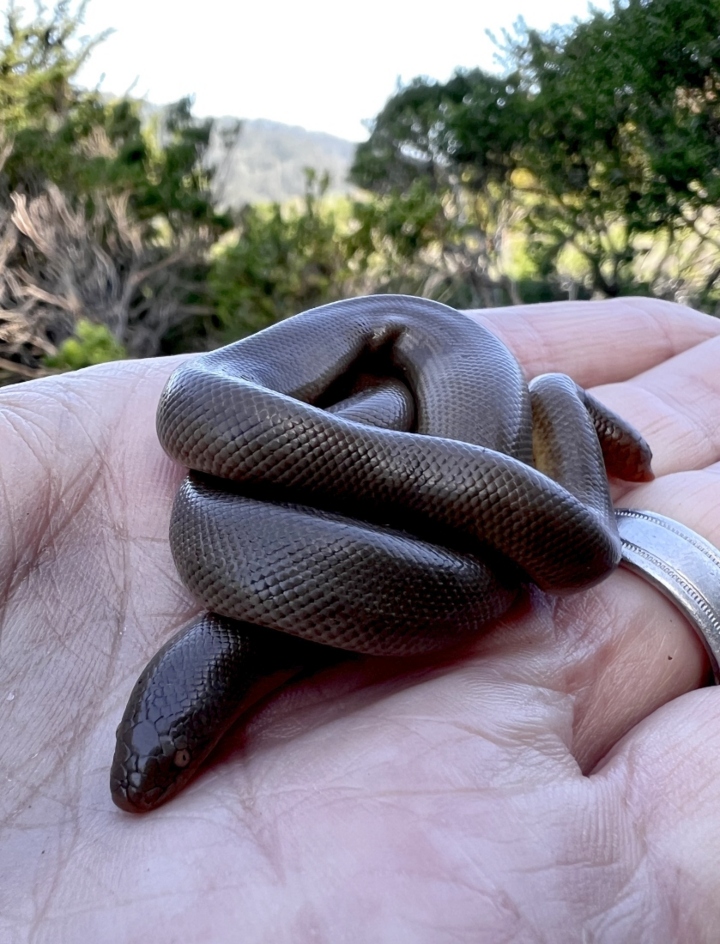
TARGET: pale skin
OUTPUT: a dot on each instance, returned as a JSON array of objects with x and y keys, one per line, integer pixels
[{"x": 557, "y": 781}]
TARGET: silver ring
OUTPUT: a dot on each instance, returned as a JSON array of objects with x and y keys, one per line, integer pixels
[{"x": 680, "y": 563}]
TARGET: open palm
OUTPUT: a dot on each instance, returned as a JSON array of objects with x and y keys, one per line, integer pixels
[{"x": 545, "y": 784}]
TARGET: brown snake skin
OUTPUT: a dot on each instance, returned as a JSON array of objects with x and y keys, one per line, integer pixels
[{"x": 373, "y": 475}]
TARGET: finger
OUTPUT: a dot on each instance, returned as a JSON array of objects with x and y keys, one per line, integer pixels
[
  {"x": 638, "y": 653},
  {"x": 618, "y": 652},
  {"x": 600, "y": 341},
  {"x": 624, "y": 649},
  {"x": 648, "y": 653},
  {"x": 677, "y": 406}
]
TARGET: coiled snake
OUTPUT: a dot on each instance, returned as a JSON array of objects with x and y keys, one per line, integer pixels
[{"x": 374, "y": 475}]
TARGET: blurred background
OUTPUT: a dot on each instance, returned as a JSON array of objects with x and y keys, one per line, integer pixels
[{"x": 171, "y": 183}]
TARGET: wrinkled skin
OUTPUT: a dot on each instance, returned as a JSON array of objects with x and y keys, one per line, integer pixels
[{"x": 557, "y": 781}]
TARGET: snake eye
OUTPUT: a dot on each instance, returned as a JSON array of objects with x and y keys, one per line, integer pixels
[{"x": 181, "y": 758}]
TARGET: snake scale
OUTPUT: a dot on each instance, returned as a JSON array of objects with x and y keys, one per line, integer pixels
[{"x": 374, "y": 475}]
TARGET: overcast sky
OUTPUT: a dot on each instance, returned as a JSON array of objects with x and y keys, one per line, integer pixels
[{"x": 320, "y": 64}]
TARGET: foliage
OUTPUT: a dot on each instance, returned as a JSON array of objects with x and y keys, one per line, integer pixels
[
  {"x": 284, "y": 259},
  {"x": 91, "y": 344},
  {"x": 107, "y": 210},
  {"x": 636, "y": 151},
  {"x": 443, "y": 243},
  {"x": 37, "y": 63},
  {"x": 445, "y": 196},
  {"x": 602, "y": 133},
  {"x": 85, "y": 143},
  {"x": 434, "y": 131}
]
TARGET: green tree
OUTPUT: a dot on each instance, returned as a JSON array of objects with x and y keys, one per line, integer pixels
[
  {"x": 443, "y": 178},
  {"x": 107, "y": 208},
  {"x": 284, "y": 259},
  {"x": 604, "y": 137},
  {"x": 624, "y": 134},
  {"x": 87, "y": 143}
]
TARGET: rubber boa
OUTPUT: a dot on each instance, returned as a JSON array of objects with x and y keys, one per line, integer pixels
[{"x": 374, "y": 475}]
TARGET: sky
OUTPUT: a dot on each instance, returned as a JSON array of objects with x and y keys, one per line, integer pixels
[{"x": 304, "y": 63}]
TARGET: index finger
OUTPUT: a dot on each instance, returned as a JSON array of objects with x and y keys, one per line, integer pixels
[{"x": 598, "y": 342}]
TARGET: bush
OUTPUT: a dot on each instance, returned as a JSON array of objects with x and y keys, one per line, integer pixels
[{"x": 91, "y": 344}]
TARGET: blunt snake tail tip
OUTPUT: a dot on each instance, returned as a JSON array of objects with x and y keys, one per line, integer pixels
[{"x": 374, "y": 475}]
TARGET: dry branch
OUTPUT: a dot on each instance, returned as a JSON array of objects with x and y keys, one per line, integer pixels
[{"x": 59, "y": 265}]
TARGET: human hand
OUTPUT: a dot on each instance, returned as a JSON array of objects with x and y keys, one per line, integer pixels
[{"x": 493, "y": 795}]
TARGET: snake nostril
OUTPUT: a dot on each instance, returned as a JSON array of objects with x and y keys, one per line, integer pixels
[{"x": 181, "y": 758}]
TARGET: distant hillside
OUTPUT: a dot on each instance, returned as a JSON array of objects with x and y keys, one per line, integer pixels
[{"x": 267, "y": 162}]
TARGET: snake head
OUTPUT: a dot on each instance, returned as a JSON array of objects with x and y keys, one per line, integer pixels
[
  {"x": 188, "y": 696},
  {"x": 150, "y": 765}
]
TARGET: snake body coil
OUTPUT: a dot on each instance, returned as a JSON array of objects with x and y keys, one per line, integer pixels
[{"x": 373, "y": 475}]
